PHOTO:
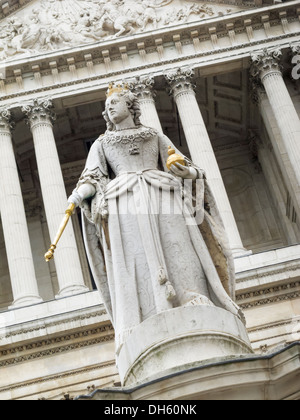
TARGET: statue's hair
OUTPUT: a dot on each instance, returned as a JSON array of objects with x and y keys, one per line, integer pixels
[{"x": 133, "y": 106}]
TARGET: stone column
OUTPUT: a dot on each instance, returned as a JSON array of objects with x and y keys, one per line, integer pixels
[
  {"x": 15, "y": 229},
  {"x": 266, "y": 66},
  {"x": 271, "y": 124},
  {"x": 67, "y": 261},
  {"x": 143, "y": 88},
  {"x": 201, "y": 150},
  {"x": 265, "y": 155}
]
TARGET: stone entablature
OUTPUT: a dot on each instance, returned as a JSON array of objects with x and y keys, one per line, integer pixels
[
  {"x": 198, "y": 44},
  {"x": 257, "y": 271}
]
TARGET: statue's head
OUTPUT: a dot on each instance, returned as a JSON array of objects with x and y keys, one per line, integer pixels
[{"x": 120, "y": 104}]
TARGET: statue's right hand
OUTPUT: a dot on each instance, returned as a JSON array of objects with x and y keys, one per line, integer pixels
[
  {"x": 75, "y": 198},
  {"x": 81, "y": 193}
]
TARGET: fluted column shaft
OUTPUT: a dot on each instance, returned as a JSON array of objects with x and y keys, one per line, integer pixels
[
  {"x": 67, "y": 261},
  {"x": 280, "y": 151},
  {"x": 201, "y": 149},
  {"x": 266, "y": 65},
  {"x": 15, "y": 229},
  {"x": 143, "y": 88}
]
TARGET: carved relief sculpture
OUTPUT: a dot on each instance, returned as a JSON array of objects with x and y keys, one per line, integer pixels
[{"x": 54, "y": 24}]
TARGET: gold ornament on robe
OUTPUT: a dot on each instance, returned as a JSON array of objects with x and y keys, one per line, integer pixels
[{"x": 174, "y": 158}]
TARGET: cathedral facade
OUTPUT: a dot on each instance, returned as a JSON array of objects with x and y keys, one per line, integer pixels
[{"x": 221, "y": 80}]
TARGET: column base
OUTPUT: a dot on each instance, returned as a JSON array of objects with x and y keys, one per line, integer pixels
[
  {"x": 26, "y": 301},
  {"x": 176, "y": 339},
  {"x": 71, "y": 291}
]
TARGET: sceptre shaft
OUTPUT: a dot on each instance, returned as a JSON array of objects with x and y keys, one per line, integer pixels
[{"x": 50, "y": 254}]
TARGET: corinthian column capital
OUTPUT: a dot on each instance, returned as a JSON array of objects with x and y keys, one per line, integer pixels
[
  {"x": 6, "y": 124},
  {"x": 295, "y": 49},
  {"x": 143, "y": 87},
  {"x": 266, "y": 62},
  {"x": 180, "y": 81},
  {"x": 39, "y": 111}
]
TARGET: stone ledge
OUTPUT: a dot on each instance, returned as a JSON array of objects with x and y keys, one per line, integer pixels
[
  {"x": 270, "y": 377},
  {"x": 53, "y": 327},
  {"x": 268, "y": 277},
  {"x": 243, "y": 265}
]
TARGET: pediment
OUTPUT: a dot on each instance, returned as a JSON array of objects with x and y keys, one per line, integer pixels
[{"x": 49, "y": 25}]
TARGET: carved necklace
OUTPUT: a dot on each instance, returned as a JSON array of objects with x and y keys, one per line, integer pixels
[{"x": 132, "y": 140}]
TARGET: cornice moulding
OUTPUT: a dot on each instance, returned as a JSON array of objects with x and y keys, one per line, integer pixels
[
  {"x": 238, "y": 53},
  {"x": 185, "y": 28}
]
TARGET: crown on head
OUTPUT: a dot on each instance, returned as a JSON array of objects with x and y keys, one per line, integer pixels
[{"x": 116, "y": 88}]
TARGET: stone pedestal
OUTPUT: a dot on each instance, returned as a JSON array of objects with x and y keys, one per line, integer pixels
[{"x": 176, "y": 339}]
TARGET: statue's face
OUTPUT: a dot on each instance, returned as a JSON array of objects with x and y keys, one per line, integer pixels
[{"x": 117, "y": 108}]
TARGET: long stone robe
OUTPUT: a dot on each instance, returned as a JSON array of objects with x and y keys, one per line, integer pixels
[{"x": 152, "y": 244}]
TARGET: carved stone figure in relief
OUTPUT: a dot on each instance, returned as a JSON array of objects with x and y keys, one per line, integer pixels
[
  {"x": 55, "y": 24},
  {"x": 154, "y": 237}
]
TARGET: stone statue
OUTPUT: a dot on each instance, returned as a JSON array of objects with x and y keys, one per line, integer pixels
[{"x": 147, "y": 251}]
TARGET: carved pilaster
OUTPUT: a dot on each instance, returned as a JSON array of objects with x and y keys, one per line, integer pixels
[
  {"x": 254, "y": 144},
  {"x": 39, "y": 111},
  {"x": 180, "y": 81},
  {"x": 266, "y": 63},
  {"x": 257, "y": 90}
]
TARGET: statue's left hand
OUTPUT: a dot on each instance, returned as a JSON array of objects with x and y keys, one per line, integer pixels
[{"x": 185, "y": 172}]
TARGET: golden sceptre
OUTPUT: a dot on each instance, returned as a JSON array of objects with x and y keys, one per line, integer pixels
[{"x": 50, "y": 254}]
